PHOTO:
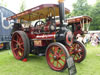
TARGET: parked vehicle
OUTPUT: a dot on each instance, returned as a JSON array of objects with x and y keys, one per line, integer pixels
[
  {"x": 5, "y": 27},
  {"x": 47, "y": 37},
  {"x": 78, "y": 25}
]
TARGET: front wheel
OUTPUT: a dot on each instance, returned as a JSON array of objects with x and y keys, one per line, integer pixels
[{"x": 56, "y": 56}]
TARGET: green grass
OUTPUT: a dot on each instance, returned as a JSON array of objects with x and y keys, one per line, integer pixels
[{"x": 38, "y": 66}]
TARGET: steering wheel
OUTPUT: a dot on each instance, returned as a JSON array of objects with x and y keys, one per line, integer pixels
[{"x": 39, "y": 23}]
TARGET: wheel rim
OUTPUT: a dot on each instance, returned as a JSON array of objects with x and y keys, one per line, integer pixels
[
  {"x": 77, "y": 51},
  {"x": 56, "y": 57},
  {"x": 17, "y": 45}
]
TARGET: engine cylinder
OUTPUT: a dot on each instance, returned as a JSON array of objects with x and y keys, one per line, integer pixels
[{"x": 66, "y": 36}]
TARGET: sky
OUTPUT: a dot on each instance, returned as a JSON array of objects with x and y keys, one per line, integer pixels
[{"x": 14, "y": 5}]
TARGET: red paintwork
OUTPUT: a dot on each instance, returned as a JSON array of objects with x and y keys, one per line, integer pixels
[
  {"x": 17, "y": 41},
  {"x": 67, "y": 41},
  {"x": 60, "y": 56},
  {"x": 24, "y": 60},
  {"x": 77, "y": 51},
  {"x": 42, "y": 36},
  {"x": 46, "y": 36},
  {"x": 78, "y": 19},
  {"x": 46, "y": 28},
  {"x": 40, "y": 39},
  {"x": 76, "y": 22},
  {"x": 76, "y": 31}
]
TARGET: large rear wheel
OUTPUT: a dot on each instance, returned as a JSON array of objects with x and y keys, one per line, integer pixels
[
  {"x": 56, "y": 56},
  {"x": 20, "y": 45},
  {"x": 78, "y": 51}
]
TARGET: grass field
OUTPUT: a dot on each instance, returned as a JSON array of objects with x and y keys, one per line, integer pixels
[{"x": 37, "y": 65}]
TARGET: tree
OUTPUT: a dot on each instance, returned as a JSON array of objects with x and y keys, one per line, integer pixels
[
  {"x": 81, "y": 7},
  {"x": 95, "y": 14},
  {"x": 2, "y": 3},
  {"x": 22, "y": 6}
]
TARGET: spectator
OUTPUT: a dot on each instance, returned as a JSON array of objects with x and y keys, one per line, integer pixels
[
  {"x": 94, "y": 39},
  {"x": 79, "y": 38},
  {"x": 86, "y": 38}
]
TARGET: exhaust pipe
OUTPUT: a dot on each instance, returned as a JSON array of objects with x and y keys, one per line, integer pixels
[{"x": 61, "y": 11}]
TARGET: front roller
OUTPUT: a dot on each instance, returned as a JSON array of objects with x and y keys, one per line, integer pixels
[
  {"x": 56, "y": 56},
  {"x": 20, "y": 45}
]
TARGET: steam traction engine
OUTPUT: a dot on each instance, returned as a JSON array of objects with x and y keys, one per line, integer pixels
[
  {"x": 78, "y": 25},
  {"x": 50, "y": 37}
]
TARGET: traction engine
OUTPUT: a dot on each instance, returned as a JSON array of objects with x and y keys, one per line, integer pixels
[{"x": 48, "y": 38}]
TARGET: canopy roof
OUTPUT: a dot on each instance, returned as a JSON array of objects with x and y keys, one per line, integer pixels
[
  {"x": 38, "y": 12},
  {"x": 78, "y": 19}
]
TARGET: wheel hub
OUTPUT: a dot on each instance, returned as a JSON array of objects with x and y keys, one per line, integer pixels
[
  {"x": 77, "y": 51},
  {"x": 56, "y": 57},
  {"x": 17, "y": 46}
]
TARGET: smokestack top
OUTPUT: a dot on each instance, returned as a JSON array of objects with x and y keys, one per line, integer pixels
[{"x": 60, "y": 1}]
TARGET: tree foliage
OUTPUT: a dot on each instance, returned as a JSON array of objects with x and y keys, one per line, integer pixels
[
  {"x": 22, "y": 6},
  {"x": 95, "y": 14},
  {"x": 81, "y": 7},
  {"x": 2, "y": 3}
]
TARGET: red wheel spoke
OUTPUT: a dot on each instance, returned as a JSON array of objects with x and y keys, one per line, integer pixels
[
  {"x": 51, "y": 58},
  {"x": 60, "y": 64},
  {"x": 19, "y": 38},
  {"x": 51, "y": 54},
  {"x": 22, "y": 43},
  {"x": 71, "y": 52},
  {"x": 62, "y": 55},
  {"x": 76, "y": 57},
  {"x": 15, "y": 49},
  {"x": 53, "y": 62},
  {"x": 62, "y": 59},
  {"x": 22, "y": 48},
  {"x": 80, "y": 55},
  {"x": 78, "y": 46},
  {"x": 53, "y": 48},
  {"x": 56, "y": 48},
  {"x": 59, "y": 51},
  {"x": 75, "y": 46},
  {"x": 14, "y": 41},
  {"x": 57, "y": 64}
]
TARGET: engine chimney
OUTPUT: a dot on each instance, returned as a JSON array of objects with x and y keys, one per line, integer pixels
[{"x": 61, "y": 11}]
